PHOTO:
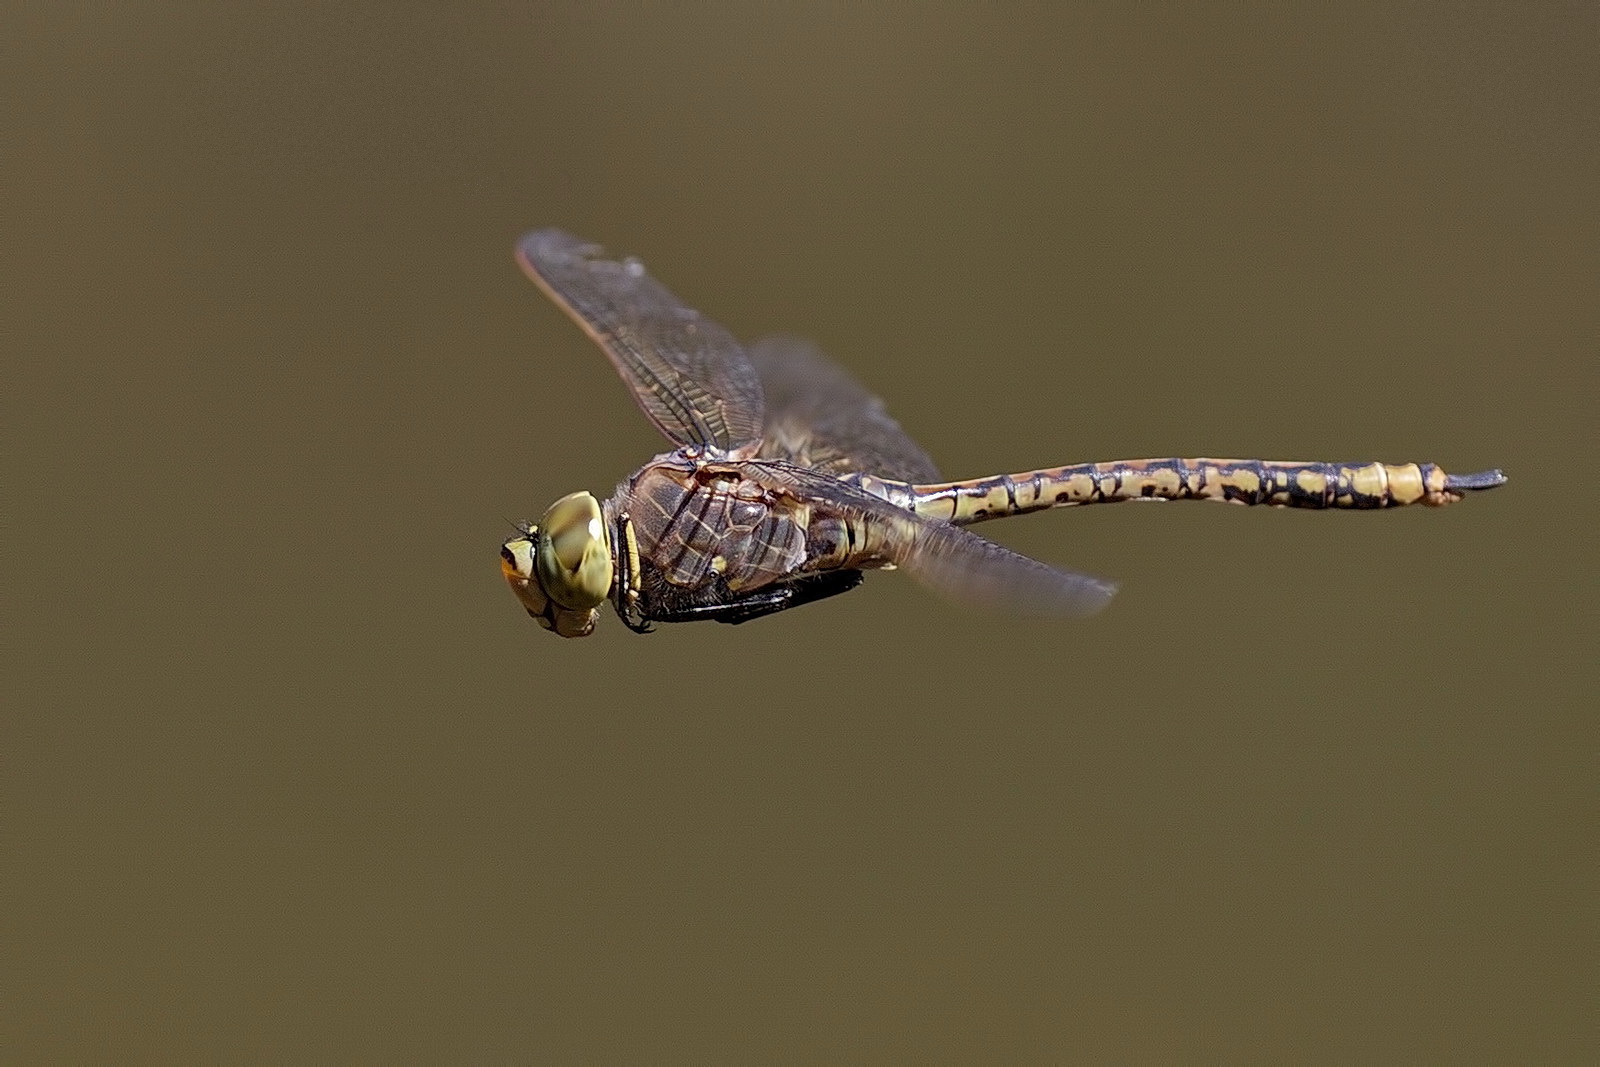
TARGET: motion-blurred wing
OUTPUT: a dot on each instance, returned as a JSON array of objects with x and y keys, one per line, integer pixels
[
  {"x": 818, "y": 416},
  {"x": 688, "y": 374},
  {"x": 948, "y": 559}
]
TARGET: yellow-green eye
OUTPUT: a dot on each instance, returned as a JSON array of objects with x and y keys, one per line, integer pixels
[
  {"x": 516, "y": 563},
  {"x": 572, "y": 555}
]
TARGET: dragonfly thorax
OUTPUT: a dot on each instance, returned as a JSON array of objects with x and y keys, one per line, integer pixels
[{"x": 561, "y": 568}]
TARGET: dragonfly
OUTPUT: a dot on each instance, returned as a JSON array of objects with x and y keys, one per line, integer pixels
[{"x": 787, "y": 480}]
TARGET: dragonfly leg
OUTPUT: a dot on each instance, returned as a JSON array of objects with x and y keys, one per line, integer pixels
[
  {"x": 636, "y": 622},
  {"x": 625, "y": 595},
  {"x": 717, "y": 603}
]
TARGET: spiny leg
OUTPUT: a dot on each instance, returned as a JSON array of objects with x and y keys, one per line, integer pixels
[
  {"x": 625, "y": 592},
  {"x": 717, "y": 603}
]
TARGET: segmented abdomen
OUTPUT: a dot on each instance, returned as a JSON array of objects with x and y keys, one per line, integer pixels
[{"x": 1275, "y": 483}]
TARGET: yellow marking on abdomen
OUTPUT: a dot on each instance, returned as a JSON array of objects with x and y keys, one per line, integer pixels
[{"x": 1276, "y": 483}]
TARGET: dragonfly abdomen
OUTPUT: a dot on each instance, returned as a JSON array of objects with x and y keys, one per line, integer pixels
[{"x": 1275, "y": 483}]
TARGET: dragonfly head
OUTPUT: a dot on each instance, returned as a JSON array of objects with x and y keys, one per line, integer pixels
[{"x": 561, "y": 568}]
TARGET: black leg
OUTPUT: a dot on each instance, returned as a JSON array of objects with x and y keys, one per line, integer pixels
[{"x": 717, "y": 603}]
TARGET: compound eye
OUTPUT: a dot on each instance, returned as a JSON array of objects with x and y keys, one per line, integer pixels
[
  {"x": 516, "y": 563},
  {"x": 573, "y": 557}
]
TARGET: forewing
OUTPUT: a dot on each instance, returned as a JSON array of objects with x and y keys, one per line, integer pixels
[
  {"x": 688, "y": 374},
  {"x": 950, "y": 560},
  {"x": 818, "y": 416}
]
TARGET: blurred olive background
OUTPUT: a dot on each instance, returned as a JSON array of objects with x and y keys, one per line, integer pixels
[{"x": 289, "y": 775}]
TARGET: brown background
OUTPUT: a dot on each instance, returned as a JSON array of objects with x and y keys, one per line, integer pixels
[{"x": 288, "y": 774}]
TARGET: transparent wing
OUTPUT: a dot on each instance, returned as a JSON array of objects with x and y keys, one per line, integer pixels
[
  {"x": 948, "y": 559},
  {"x": 818, "y": 416},
  {"x": 963, "y": 566},
  {"x": 688, "y": 374}
]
